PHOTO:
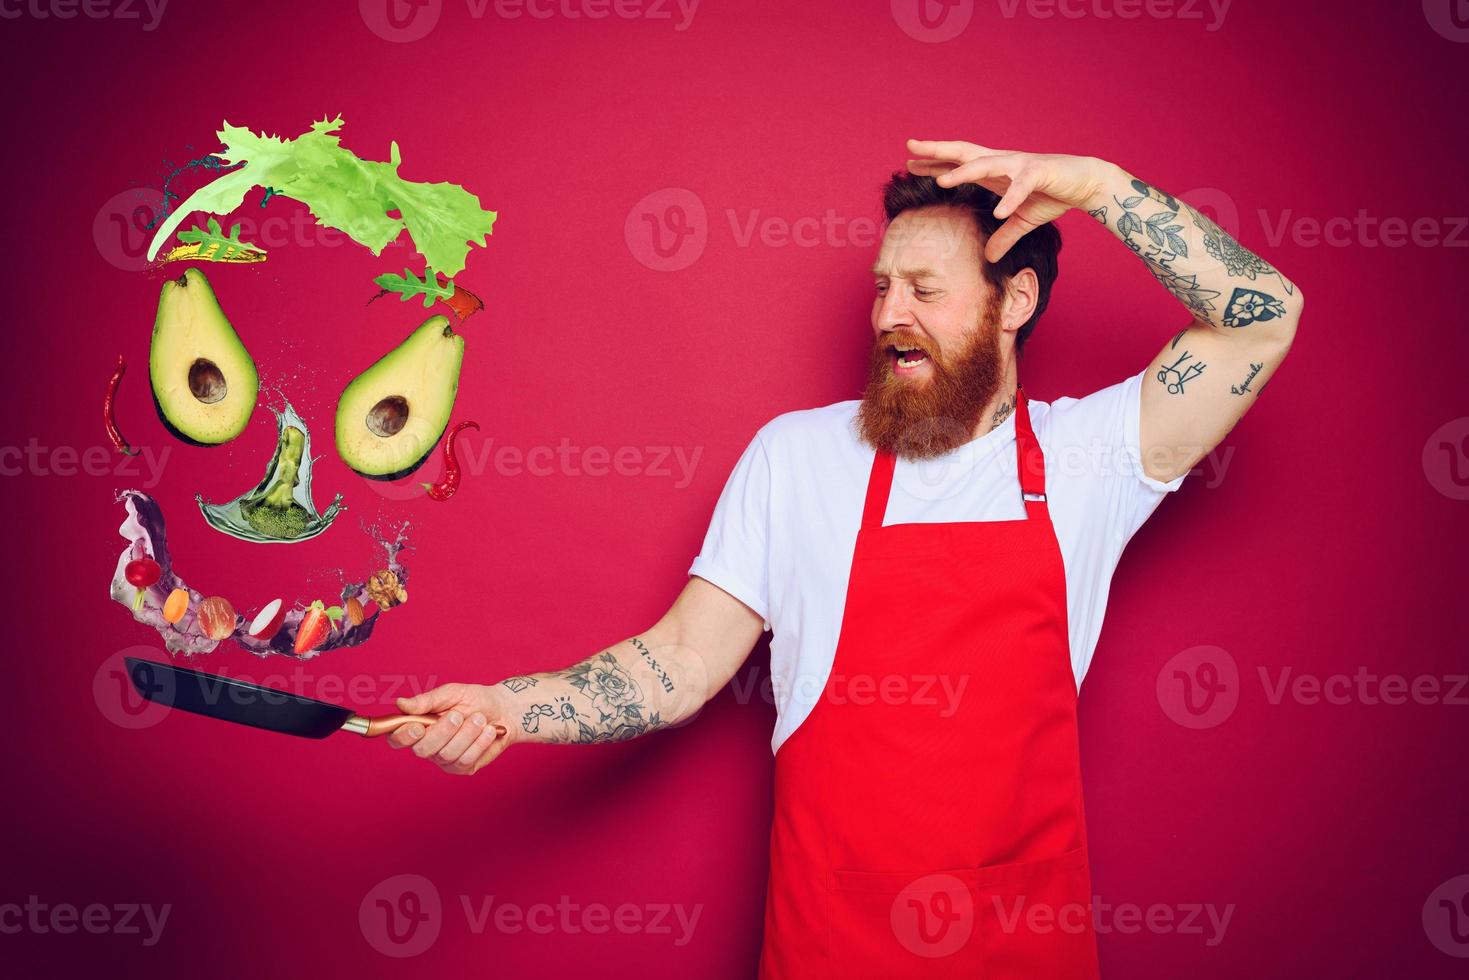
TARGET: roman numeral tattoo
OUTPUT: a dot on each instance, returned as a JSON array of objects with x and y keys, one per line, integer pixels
[{"x": 648, "y": 656}]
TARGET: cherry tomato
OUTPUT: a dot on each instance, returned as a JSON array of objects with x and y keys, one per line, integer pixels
[{"x": 142, "y": 572}]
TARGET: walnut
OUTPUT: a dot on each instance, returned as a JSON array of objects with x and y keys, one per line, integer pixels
[{"x": 384, "y": 589}]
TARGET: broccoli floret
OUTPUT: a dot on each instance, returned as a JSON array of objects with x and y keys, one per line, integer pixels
[{"x": 275, "y": 513}]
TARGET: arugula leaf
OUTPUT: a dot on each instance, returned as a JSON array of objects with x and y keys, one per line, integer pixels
[
  {"x": 225, "y": 247},
  {"x": 366, "y": 199},
  {"x": 409, "y": 286}
]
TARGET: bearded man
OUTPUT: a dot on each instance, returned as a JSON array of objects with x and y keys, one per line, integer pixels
[{"x": 934, "y": 562}]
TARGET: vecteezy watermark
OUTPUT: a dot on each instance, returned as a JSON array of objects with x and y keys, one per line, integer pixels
[
  {"x": 478, "y": 458},
  {"x": 1362, "y": 686},
  {"x": 1199, "y": 687},
  {"x": 149, "y": 13},
  {"x": 1448, "y": 18},
  {"x": 1446, "y": 459},
  {"x": 126, "y": 223},
  {"x": 1446, "y": 917},
  {"x": 933, "y": 916},
  {"x": 942, "y": 692},
  {"x": 401, "y": 21},
  {"x": 40, "y": 461},
  {"x": 141, "y": 919},
  {"x": 403, "y": 916},
  {"x": 1210, "y": 12},
  {"x": 1362, "y": 229},
  {"x": 1205, "y": 919},
  {"x": 117, "y": 698},
  {"x": 932, "y": 21},
  {"x": 124, "y": 226},
  {"x": 668, "y": 230}
]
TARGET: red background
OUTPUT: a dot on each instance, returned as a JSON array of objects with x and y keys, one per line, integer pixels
[{"x": 1325, "y": 546}]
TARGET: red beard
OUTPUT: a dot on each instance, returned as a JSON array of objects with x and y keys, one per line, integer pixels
[{"x": 925, "y": 419}]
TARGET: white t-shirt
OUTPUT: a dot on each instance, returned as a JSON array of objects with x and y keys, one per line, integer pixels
[{"x": 785, "y": 527}]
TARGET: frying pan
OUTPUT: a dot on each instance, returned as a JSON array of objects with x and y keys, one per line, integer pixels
[{"x": 256, "y": 706}]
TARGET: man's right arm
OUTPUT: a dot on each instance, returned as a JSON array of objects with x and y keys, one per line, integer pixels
[{"x": 658, "y": 678}]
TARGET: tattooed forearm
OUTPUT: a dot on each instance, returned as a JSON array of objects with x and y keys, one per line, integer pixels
[
  {"x": 1244, "y": 386},
  {"x": 1237, "y": 260},
  {"x": 1193, "y": 257},
  {"x": 1174, "y": 376},
  {"x": 653, "y": 664},
  {"x": 618, "y": 694}
]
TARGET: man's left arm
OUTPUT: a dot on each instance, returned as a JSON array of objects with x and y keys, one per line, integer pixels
[
  {"x": 1244, "y": 311},
  {"x": 1244, "y": 318}
]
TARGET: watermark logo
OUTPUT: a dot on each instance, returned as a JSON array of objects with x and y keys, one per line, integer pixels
[
  {"x": 1205, "y": 920},
  {"x": 933, "y": 916},
  {"x": 141, "y": 919},
  {"x": 401, "y": 916},
  {"x": 667, "y": 230},
  {"x": 40, "y": 461},
  {"x": 933, "y": 21},
  {"x": 1448, "y": 18},
  {"x": 1446, "y": 459},
  {"x": 124, "y": 226},
  {"x": 118, "y": 698},
  {"x": 1446, "y": 917},
  {"x": 1184, "y": 10},
  {"x": 481, "y": 458},
  {"x": 148, "y": 13},
  {"x": 1199, "y": 687},
  {"x": 400, "y": 21},
  {"x": 1362, "y": 229}
]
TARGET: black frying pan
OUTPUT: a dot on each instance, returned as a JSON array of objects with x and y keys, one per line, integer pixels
[{"x": 256, "y": 706}]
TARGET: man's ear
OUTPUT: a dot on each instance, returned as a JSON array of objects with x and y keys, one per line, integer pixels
[{"x": 1022, "y": 292}]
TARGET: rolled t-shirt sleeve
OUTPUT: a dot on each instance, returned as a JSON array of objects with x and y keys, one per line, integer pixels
[{"x": 736, "y": 552}]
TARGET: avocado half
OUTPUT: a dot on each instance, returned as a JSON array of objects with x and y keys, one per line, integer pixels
[
  {"x": 391, "y": 416},
  {"x": 204, "y": 381}
]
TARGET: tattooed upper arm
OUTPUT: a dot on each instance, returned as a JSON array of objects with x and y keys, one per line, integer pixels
[
  {"x": 1198, "y": 387},
  {"x": 1203, "y": 380}
]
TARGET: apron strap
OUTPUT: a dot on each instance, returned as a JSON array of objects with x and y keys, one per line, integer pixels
[
  {"x": 1029, "y": 459},
  {"x": 878, "y": 485}
]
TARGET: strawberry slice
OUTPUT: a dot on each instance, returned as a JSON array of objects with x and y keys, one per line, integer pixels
[{"x": 315, "y": 626}]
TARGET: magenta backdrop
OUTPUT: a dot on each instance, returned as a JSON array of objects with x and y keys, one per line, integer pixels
[{"x": 1324, "y": 539}]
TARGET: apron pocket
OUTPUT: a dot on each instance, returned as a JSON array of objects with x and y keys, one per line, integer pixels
[
  {"x": 883, "y": 924},
  {"x": 1034, "y": 919}
]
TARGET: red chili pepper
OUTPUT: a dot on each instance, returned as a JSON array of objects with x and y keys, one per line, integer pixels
[
  {"x": 445, "y": 488},
  {"x": 118, "y": 442}
]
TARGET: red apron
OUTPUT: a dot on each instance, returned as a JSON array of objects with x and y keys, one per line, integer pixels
[{"x": 928, "y": 812}]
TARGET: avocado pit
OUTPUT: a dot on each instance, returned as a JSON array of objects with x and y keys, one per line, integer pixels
[
  {"x": 387, "y": 418},
  {"x": 206, "y": 381}
]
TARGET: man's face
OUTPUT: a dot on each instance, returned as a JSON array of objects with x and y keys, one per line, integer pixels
[{"x": 936, "y": 354}]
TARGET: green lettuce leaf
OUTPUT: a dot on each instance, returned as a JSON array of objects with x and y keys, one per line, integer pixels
[{"x": 354, "y": 196}]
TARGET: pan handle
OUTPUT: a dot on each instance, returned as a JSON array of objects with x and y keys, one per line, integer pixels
[{"x": 373, "y": 727}]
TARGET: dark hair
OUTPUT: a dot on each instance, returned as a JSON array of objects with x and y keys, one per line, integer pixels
[{"x": 1037, "y": 250}]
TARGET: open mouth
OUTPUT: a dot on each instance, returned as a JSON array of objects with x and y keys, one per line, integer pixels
[{"x": 907, "y": 357}]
